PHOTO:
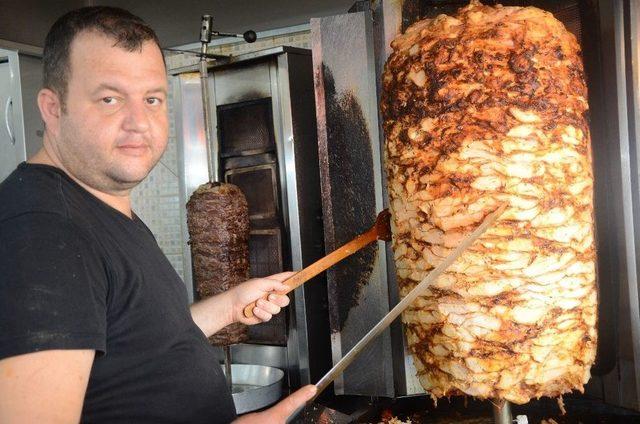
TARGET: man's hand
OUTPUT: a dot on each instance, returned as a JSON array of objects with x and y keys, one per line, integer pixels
[
  {"x": 252, "y": 290},
  {"x": 279, "y": 413},
  {"x": 216, "y": 312}
]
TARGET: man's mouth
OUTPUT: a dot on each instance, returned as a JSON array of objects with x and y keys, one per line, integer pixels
[{"x": 133, "y": 148}]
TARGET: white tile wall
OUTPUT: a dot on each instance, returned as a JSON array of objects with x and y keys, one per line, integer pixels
[{"x": 157, "y": 200}]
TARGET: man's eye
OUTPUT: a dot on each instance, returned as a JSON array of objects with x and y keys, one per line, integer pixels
[
  {"x": 154, "y": 101},
  {"x": 109, "y": 100}
]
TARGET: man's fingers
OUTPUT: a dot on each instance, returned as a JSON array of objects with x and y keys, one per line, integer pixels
[
  {"x": 257, "y": 290},
  {"x": 261, "y": 314},
  {"x": 265, "y": 310},
  {"x": 272, "y": 308},
  {"x": 291, "y": 403},
  {"x": 279, "y": 299}
]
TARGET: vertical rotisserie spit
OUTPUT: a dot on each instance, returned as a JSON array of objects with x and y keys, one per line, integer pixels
[
  {"x": 218, "y": 221},
  {"x": 479, "y": 108}
]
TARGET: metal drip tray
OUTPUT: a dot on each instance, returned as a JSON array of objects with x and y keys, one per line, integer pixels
[{"x": 255, "y": 386}]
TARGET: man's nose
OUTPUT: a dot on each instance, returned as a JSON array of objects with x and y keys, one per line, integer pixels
[{"x": 137, "y": 118}]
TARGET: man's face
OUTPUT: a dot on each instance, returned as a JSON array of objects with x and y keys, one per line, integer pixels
[{"x": 115, "y": 126}]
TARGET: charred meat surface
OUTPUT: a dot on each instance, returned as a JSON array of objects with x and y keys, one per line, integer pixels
[
  {"x": 218, "y": 221},
  {"x": 484, "y": 107}
]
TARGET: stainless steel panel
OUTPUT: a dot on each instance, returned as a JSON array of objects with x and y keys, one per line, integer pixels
[
  {"x": 31, "y": 82},
  {"x": 192, "y": 153},
  {"x": 12, "y": 141},
  {"x": 616, "y": 210},
  {"x": 351, "y": 175},
  {"x": 190, "y": 132},
  {"x": 270, "y": 356},
  {"x": 298, "y": 346},
  {"x": 387, "y": 24},
  {"x": 630, "y": 202},
  {"x": 242, "y": 82},
  {"x": 305, "y": 145},
  {"x": 241, "y": 58}
]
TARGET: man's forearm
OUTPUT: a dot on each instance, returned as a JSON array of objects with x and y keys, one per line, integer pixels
[{"x": 212, "y": 314}]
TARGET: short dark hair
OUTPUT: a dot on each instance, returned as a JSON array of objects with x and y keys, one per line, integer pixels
[{"x": 126, "y": 29}]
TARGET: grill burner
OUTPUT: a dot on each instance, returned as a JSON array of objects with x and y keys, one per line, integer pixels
[
  {"x": 265, "y": 256},
  {"x": 259, "y": 185},
  {"x": 246, "y": 128}
]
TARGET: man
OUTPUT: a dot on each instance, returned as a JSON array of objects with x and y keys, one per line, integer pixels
[{"x": 94, "y": 322}]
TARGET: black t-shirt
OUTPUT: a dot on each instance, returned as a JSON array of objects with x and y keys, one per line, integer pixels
[{"x": 77, "y": 274}]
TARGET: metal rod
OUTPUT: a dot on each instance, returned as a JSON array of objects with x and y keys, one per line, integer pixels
[
  {"x": 502, "y": 412},
  {"x": 212, "y": 148},
  {"x": 227, "y": 367}
]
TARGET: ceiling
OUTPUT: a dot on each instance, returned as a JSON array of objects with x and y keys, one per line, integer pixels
[{"x": 177, "y": 22}]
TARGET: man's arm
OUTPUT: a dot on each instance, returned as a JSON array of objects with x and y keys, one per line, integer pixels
[
  {"x": 216, "y": 312},
  {"x": 46, "y": 387}
]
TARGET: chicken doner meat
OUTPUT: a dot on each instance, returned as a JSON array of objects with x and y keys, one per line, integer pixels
[
  {"x": 218, "y": 221},
  {"x": 481, "y": 108}
]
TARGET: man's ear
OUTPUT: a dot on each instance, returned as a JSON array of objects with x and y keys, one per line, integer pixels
[{"x": 50, "y": 106}]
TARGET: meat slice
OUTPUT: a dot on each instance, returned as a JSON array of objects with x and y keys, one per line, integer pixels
[
  {"x": 479, "y": 108},
  {"x": 218, "y": 221}
]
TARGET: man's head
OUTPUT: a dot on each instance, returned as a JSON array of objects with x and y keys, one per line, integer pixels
[
  {"x": 126, "y": 30},
  {"x": 104, "y": 98}
]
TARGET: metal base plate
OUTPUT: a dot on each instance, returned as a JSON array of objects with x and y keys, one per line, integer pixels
[{"x": 255, "y": 386}]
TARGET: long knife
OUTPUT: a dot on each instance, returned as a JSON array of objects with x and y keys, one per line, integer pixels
[{"x": 407, "y": 300}]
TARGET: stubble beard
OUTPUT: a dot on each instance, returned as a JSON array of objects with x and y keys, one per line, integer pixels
[{"x": 94, "y": 168}]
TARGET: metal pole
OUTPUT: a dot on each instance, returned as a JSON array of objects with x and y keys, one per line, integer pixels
[
  {"x": 502, "y": 412},
  {"x": 212, "y": 148},
  {"x": 227, "y": 367}
]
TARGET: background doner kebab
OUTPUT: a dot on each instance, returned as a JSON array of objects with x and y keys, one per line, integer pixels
[
  {"x": 218, "y": 221},
  {"x": 484, "y": 107}
]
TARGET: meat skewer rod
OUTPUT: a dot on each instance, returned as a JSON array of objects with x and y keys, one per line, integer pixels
[
  {"x": 502, "y": 412},
  {"x": 218, "y": 220},
  {"x": 212, "y": 157},
  {"x": 227, "y": 367},
  {"x": 380, "y": 231},
  {"x": 212, "y": 148}
]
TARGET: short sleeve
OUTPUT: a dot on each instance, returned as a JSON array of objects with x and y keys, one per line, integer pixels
[{"x": 53, "y": 286}]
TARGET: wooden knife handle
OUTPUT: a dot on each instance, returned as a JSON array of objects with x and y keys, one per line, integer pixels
[{"x": 300, "y": 277}]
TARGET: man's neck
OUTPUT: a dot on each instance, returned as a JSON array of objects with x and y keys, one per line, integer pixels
[{"x": 121, "y": 203}]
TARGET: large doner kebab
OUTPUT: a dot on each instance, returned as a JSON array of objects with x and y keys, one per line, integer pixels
[{"x": 480, "y": 108}]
